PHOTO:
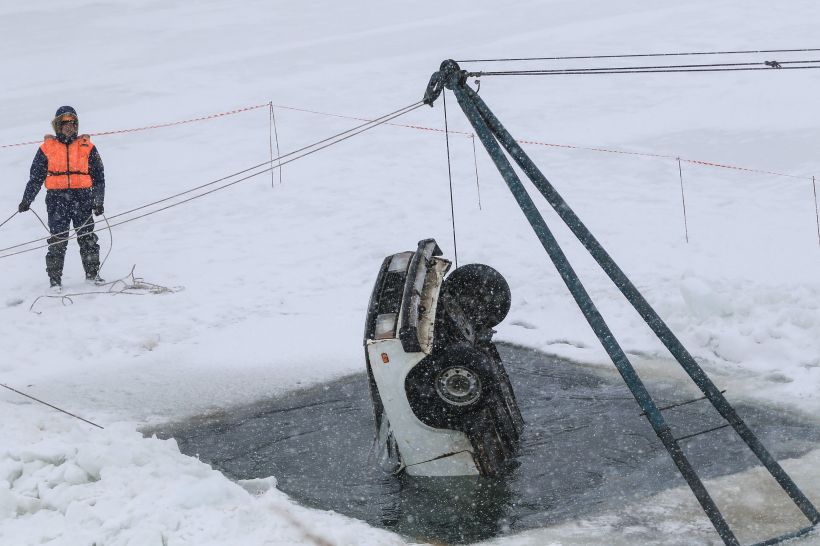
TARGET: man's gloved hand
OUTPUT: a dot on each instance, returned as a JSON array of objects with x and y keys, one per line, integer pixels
[
  {"x": 23, "y": 206},
  {"x": 98, "y": 210}
]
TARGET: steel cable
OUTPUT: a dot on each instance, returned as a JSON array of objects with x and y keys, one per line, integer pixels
[
  {"x": 578, "y": 73},
  {"x": 45, "y": 227},
  {"x": 75, "y": 229},
  {"x": 218, "y": 180},
  {"x": 308, "y": 150},
  {"x": 636, "y": 55},
  {"x": 6, "y": 221},
  {"x": 110, "y": 245},
  {"x": 650, "y": 67},
  {"x": 718, "y": 67},
  {"x": 338, "y": 137},
  {"x": 450, "y": 178},
  {"x": 49, "y": 405}
]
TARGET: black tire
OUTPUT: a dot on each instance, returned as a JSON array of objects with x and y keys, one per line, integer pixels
[
  {"x": 506, "y": 426},
  {"x": 488, "y": 447},
  {"x": 491, "y": 421},
  {"x": 482, "y": 293},
  {"x": 507, "y": 393},
  {"x": 431, "y": 405}
]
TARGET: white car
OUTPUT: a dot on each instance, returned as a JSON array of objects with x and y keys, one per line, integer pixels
[{"x": 443, "y": 403}]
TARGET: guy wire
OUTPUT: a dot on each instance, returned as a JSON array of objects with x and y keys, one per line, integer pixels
[{"x": 634, "y": 55}]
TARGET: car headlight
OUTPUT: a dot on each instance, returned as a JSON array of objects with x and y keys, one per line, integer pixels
[{"x": 385, "y": 326}]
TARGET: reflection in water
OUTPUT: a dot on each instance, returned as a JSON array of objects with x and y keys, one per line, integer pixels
[
  {"x": 452, "y": 510},
  {"x": 585, "y": 448}
]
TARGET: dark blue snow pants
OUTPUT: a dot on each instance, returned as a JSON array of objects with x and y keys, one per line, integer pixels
[{"x": 66, "y": 208}]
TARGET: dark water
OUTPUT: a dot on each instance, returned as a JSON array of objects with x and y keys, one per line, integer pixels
[{"x": 585, "y": 449}]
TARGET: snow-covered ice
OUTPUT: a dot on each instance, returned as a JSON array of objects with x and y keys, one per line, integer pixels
[{"x": 275, "y": 277}]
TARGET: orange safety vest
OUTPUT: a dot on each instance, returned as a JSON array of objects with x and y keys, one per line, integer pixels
[{"x": 67, "y": 164}]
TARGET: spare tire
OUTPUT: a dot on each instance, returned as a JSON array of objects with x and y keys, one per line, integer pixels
[{"x": 482, "y": 293}]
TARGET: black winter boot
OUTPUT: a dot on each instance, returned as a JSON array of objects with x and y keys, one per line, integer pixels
[
  {"x": 56, "y": 286},
  {"x": 94, "y": 278},
  {"x": 55, "y": 258},
  {"x": 90, "y": 255}
]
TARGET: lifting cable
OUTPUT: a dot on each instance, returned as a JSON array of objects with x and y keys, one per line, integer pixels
[
  {"x": 450, "y": 178},
  {"x": 650, "y": 69},
  {"x": 297, "y": 154},
  {"x": 635, "y": 55}
]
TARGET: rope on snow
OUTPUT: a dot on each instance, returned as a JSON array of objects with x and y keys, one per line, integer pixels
[{"x": 129, "y": 285}]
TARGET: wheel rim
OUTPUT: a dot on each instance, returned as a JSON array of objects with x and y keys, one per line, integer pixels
[{"x": 458, "y": 386}]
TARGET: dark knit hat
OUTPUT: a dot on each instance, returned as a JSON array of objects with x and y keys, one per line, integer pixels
[
  {"x": 62, "y": 111},
  {"x": 65, "y": 110}
]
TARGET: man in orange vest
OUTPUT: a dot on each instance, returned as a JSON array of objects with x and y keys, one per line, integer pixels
[{"x": 72, "y": 171}]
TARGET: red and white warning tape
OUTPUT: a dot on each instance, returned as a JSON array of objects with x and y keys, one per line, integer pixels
[
  {"x": 431, "y": 129},
  {"x": 155, "y": 126}
]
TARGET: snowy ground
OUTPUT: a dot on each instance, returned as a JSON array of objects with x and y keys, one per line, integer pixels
[{"x": 275, "y": 280}]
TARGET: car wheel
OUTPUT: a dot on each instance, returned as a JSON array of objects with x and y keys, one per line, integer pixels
[
  {"x": 482, "y": 293},
  {"x": 446, "y": 389}
]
